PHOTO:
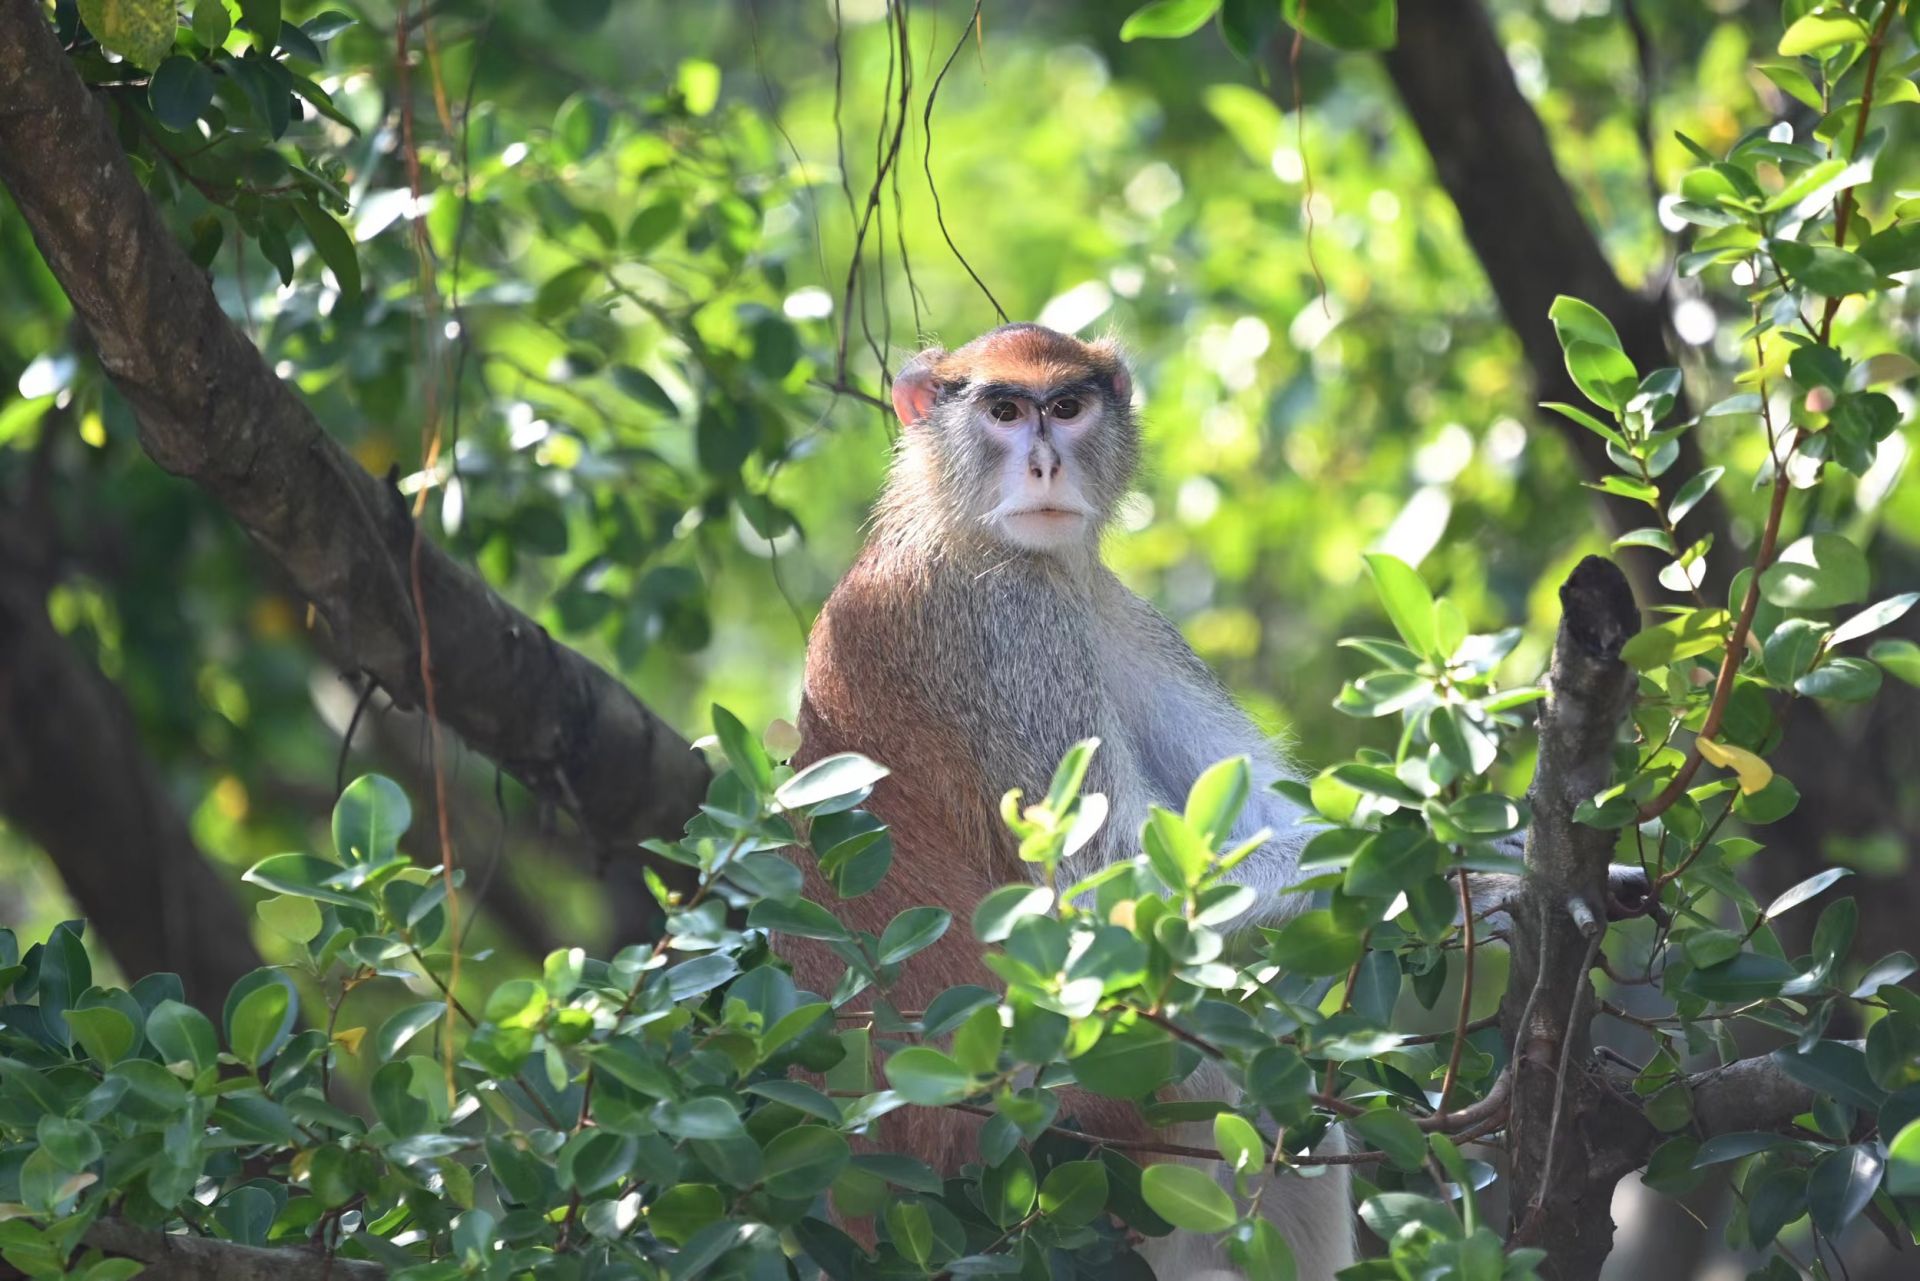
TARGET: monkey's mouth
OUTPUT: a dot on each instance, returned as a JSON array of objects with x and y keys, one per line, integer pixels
[{"x": 1047, "y": 515}]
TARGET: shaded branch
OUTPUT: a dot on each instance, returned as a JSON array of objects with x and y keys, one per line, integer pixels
[
  {"x": 185, "y": 1258},
  {"x": 1562, "y": 1119},
  {"x": 1492, "y": 155},
  {"x": 211, "y": 410},
  {"x": 75, "y": 780}
]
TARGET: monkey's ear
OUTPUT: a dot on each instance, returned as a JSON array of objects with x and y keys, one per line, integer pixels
[
  {"x": 914, "y": 390},
  {"x": 1121, "y": 377}
]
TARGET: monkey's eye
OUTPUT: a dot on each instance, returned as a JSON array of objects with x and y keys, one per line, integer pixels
[
  {"x": 1005, "y": 411},
  {"x": 1065, "y": 409}
]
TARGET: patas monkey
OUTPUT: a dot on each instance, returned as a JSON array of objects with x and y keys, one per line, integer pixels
[{"x": 976, "y": 639}]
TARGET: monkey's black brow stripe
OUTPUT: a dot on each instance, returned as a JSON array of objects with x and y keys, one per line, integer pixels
[{"x": 1001, "y": 391}]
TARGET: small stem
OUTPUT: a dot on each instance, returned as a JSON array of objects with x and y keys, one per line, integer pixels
[{"x": 1466, "y": 999}]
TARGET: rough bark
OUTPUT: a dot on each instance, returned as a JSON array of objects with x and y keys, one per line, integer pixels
[
  {"x": 1573, "y": 1133},
  {"x": 211, "y": 410},
  {"x": 184, "y": 1258},
  {"x": 74, "y": 779}
]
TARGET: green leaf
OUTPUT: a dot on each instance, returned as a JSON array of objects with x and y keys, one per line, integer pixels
[
  {"x": 262, "y": 17},
  {"x": 1408, "y": 602},
  {"x": 836, "y": 782},
  {"x": 1586, "y": 420},
  {"x": 334, "y": 246},
  {"x": 258, "y": 1025},
  {"x": 1005, "y": 907},
  {"x": 1692, "y": 492},
  {"x": 1873, "y": 618},
  {"x": 912, "y": 931},
  {"x": 73, "y": 1145},
  {"x": 1357, "y": 25},
  {"x": 1901, "y": 657},
  {"x": 211, "y": 22},
  {"x": 804, "y": 1162},
  {"x": 1392, "y": 861},
  {"x": 1841, "y": 1184},
  {"x": 1127, "y": 1062},
  {"x": 1627, "y": 487},
  {"x": 1831, "y": 28},
  {"x": 103, "y": 1032},
  {"x": 1008, "y": 1188},
  {"x": 1794, "y": 897},
  {"x": 1790, "y": 651},
  {"x": 924, "y": 1075},
  {"x": 704, "y": 1117},
  {"x": 369, "y": 819},
  {"x": 1261, "y": 1252},
  {"x": 1903, "y": 1161},
  {"x": 1604, "y": 375},
  {"x": 911, "y": 1229},
  {"x": 1314, "y": 943},
  {"x": 1216, "y": 799},
  {"x": 1794, "y": 82},
  {"x": 403, "y": 1026},
  {"x": 1074, "y": 1193},
  {"x": 1834, "y": 1070},
  {"x": 1378, "y": 782},
  {"x": 1240, "y": 1144},
  {"x": 1176, "y": 852},
  {"x": 561, "y": 292},
  {"x": 595, "y": 1159},
  {"x": 1818, "y": 571},
  {"x": 1070, "y": 774},
  {"x": 1187, "y": 1197},
  {"x": 1168, "y": 19},
  {"x": 1841, "y": 680},
  {"x": 294, "y": 919},
  {"x": 1731, "y": 1147},
  {"x": 1394, "y": 1133},
  {"x": 1824, "y": 269},
  {"x": 802, "y": 918},
  {"x": 1577, "y": 321},
  {"x": 141, "y": 31},
  {"x": 180, "y": 90},
  {"x": 182, "y": 1034},
  {"x": 580, "y": 126}
]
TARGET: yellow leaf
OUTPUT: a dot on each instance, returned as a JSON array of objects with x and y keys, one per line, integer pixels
[
  {"x": 1754, "y": 773},
  {"x": 350, "y": 1037},
  {"x": 141, "y": 31}
]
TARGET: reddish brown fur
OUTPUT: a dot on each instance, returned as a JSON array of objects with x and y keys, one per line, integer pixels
[
  {"x": 1027, "y": 356},
  {"x": 950, "y": 846}
]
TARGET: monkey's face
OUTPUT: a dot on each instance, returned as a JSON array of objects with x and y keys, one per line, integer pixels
[{"x": 1029, "y": 432}]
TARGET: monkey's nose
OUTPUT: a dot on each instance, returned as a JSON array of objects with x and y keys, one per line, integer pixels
[{"x": 1052, "y": 471}]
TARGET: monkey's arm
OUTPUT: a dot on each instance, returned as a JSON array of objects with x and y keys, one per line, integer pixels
[{"x": 1182, "y": 720}]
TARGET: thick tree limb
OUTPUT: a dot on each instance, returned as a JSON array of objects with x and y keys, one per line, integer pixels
[
  {"x": 1492, "y": 155},
  {"x": 1563, "y": 1122},
  {"x": 1747, "y": 1094},
  {"x": 1572, "y": 1132},
  {"x": 74, "y": 779},
  {"x": 212, "y": 411},
  {"x": 185, "y": 1258}
]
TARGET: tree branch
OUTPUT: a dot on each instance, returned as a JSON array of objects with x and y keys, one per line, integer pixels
[
  {"x": 186, "y": 1258},
  {"x": 1562, "y": 1118},
  {"x": 74, "y": 779},
  {"x": 211, "y": 410},
  {"x": 1491, "y": 154}
]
